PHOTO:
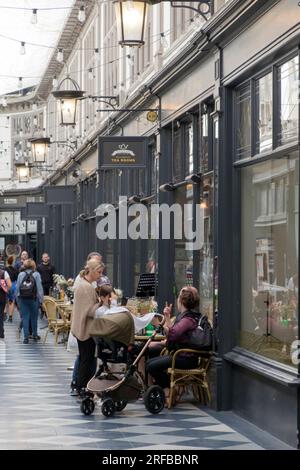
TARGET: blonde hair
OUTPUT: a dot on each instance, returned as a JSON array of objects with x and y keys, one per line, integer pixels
[
  {"x": 29, "y": 264},
  {"x": 91, "y": 265}
]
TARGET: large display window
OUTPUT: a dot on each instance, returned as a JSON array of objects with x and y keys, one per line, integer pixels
[{"x": 269, "y": 257}]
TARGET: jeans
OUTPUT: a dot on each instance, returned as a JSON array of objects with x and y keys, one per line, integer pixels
[
  {"x": 157, "y": 367},
  {"x": 29, "y": 313},
  {"x": 76, "y": 369},
  {"x": 2, "y": 307}
]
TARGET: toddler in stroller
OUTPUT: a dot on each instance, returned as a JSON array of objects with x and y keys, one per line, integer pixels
[{"x": 113, "y": 384}]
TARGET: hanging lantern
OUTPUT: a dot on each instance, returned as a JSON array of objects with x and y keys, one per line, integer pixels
[
  {"x": 131, "y": 21},
  {"x": 23, "y": 171},
  {"x": 39, "y": 147},
  {"x": 67, "y": 100}
]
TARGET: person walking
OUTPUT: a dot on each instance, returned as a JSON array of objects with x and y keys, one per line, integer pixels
[
  {"x": 11, "y": 295},
  {"x": 46, "y": 270},
  {"x": 29, "y": 294},
  {"x": 5, "y": 286}
]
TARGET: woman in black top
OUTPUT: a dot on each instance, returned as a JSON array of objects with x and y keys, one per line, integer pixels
[{"x": 13, "y": 274}]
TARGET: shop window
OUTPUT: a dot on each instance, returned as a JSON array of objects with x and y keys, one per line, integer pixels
[
  {"x": 189, "y": 148},
  {"x": 269, "y": 257},
  {"x": 264, "y": 113},
  {"x": 288, "y": 77},
  {"x": 183, "y": 262},
  {"x": 243, "y": 122},
  {"x": 177, "y": 163},
  {"x": 206, "y": 256}
]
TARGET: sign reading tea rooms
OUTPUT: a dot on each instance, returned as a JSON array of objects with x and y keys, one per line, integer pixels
[{"x": 122, "y": 152}]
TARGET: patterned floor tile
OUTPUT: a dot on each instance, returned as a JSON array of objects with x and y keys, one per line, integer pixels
[{"x": 36, "y": 411}]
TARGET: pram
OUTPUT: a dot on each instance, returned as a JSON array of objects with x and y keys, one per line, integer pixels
[{"x": 119, "y": 387}]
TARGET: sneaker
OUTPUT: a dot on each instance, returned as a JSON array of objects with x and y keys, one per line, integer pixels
[
  {"x": 26, "y": 341},
  {"x": 36, "y": 338},
  {"x": 73, "y": 392},
  {"x": 10, "y": 319}
]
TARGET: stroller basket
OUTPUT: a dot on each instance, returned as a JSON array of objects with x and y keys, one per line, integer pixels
[{"x": 126, "y": 389}]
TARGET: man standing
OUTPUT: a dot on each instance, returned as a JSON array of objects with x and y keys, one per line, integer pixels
[
  {"x": 19, "y": 262},
  {"x": 46, "y": 270}
]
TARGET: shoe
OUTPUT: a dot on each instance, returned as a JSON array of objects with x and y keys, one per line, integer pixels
[
  {"x": 26, "y": 341},
  {"x": 73, "y": 392},
  {"x": 10, "y": 319},
  {"x": 36, "y": 338},
  {"x": 30, "y": 337}
]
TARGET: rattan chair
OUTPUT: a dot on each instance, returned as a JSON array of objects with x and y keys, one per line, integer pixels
[
  {"x": 195, "y": 378},
  {"x": 56, "y": 325}
]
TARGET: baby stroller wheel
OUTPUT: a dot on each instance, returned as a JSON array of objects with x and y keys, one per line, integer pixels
[
  {"x": 154, "y": 399},
  {"x": 87, "y": 406},
  {"x": 120, "y": 405},
  {"x": 108, "y": 407}
]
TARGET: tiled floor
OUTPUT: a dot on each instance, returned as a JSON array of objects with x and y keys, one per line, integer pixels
[{"x": 36, "y": 411}]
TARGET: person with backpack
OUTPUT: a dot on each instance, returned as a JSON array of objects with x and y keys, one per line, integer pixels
[
  {"x": 30, "y": 296},
  {"x": 5, "y": 286},
  {"x": 11, "y": 295},
  {"x": 178, "y": 336}
]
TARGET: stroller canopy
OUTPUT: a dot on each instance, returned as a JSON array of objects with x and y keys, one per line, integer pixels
[{"x": 116, "y": 327}]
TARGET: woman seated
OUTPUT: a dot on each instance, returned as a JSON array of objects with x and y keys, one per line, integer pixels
[{"x": 177, "y": 334}]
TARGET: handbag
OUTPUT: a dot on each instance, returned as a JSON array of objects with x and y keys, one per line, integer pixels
[{"x": 201, "y": 337}]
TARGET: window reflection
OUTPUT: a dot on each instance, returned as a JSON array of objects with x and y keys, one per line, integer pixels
[
  {"x": 243, "y": 123},
  {"x": 263, "y": 88},
  {"x": 288, "y": 76},
  {"x": 206, "y": 272},
  {"x": 269, "y": 249}
]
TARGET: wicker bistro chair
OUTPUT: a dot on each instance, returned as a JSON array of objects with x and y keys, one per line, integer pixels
[
  {"x": 56, "y": 325},
  {"x": 195, "y": 378}
]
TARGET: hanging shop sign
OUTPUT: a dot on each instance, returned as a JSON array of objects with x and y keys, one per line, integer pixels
[
  {"x": 36, "y": 210},
  {"x": 59, "y": 195},
  {"x": 122, "y": 152}
]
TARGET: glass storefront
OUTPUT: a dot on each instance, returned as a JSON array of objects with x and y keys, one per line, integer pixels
[
  {"x": 206, "y": 271},
  {"x": 269, "y": 257},
  {"x": 183, "y": 262}
]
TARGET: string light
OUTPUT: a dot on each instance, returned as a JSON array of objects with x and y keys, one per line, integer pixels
[
  {"x": 90, "y": 74},
  {"x": 20, "y": 82},
  {"x": 22, "y": 48},
  {"x": 60, "y": 55},
  {"x": 131, "y": 59},
  {"x": 34, "y": 16},
  {"x": 163, "y": 40},
  {"x": 55, "y": 82},
  {"x": 81, "y": 14},
  {"x": 34, "y": 106},
  {"x": 35, "y": 121}
]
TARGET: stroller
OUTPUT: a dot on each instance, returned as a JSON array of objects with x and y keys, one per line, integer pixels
[{"x": 114, "y": 335}]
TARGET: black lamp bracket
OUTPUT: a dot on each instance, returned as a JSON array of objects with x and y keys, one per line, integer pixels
[{"x": 204, "y": 7}]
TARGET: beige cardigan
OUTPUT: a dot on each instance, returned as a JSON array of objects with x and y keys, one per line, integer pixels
[{"x": 85, "y": 305}]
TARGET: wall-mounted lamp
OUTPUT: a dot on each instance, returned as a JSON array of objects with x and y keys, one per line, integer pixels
[
  {"x": 132, "y": 18},
  {"x": 167, "y": 187},
  {"x": 23, "y": 171},
  {"x": 134, "y": 199},
  {"x": 68, "y": 100},
  {"x": 193, "y": 178}
]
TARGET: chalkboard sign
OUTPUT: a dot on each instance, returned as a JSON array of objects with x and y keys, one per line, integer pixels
[{"x": 147, "y": 285}]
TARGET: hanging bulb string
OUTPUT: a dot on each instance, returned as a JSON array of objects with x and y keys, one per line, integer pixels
[{"x": 38, "y": 77}]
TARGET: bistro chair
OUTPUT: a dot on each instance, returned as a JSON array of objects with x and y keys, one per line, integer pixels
[
  {"x": 56, "y": 325},
  {"x": 197, "y": 379}
]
